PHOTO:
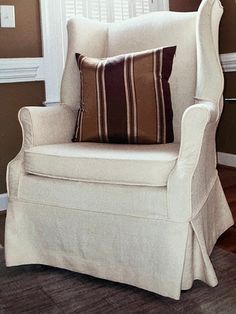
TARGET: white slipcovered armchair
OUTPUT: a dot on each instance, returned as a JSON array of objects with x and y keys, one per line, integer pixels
[{"x": 146, "y": 215}]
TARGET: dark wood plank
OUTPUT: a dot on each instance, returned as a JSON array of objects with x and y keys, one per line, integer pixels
[
  {"x": 228, "y": 240},
  {"x": 228, "y": 179},
  {"x": 2, "y": 227}
]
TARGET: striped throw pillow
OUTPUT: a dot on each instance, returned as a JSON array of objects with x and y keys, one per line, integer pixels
[{"x": 126, "y": 98}]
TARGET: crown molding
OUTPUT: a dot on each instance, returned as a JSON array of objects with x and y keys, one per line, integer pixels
[
  {"x": 228, "y": 61},
  {"x": 21, "y": 70}
]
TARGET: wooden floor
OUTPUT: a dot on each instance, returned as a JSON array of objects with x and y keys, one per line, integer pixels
[
  {"x": 2, "y": 227},
  {"x": 38, "y": 289},
  {"x": 227, "y": 241}
]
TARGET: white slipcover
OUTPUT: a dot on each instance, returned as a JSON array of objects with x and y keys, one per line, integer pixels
[
  {"x": 108, "y": 163},
  {"x": 156, "y": 237}
]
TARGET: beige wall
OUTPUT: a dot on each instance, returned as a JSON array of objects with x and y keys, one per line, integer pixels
[{"x": 19, "y": 42}]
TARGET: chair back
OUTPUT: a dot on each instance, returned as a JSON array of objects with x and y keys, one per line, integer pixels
[{"x": 196, "y": 75}]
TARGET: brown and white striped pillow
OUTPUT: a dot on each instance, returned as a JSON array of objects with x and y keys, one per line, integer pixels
[{"x": 126, "y": 99}]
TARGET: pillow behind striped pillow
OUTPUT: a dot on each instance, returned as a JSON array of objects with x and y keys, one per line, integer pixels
[{"x": 126, "y": 99}]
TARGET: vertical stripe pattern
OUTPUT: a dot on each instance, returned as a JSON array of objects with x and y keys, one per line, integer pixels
[
  {"x": 130, "y": 99},
  {"x": 126, "y": 99},
  {"x": 155, "y": 77}
]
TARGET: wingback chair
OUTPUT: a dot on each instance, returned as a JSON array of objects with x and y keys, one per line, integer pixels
[{"x": 145, "y": 215}]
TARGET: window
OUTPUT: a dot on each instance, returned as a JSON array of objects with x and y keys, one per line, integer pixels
[{"x": 109, "y": 10}]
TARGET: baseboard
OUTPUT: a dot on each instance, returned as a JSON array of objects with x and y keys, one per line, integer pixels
[
  {"x": 3, "y": 202},
  {"x": 227, "y": 159}
]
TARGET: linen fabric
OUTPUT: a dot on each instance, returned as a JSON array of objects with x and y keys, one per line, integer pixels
[
  {"x": 135, "y": 201},
  {"x": 130, "y": 233},
  {"x": 126, "y": 98},
  {"x": 130, "y": 165},
  {"x": 117, "y": 246}
]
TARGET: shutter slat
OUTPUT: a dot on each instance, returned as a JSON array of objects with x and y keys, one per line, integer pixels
[{"x": 106, "y": 10}]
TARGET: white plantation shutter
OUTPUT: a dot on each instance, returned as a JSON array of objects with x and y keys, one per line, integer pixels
[
  {"x": 107, "y": 10},
  {"x": 141, "y": 7}
]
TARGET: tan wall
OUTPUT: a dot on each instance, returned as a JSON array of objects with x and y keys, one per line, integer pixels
[
  {"x": 25, "y": 39},
  {"x": 19, "y": 42},
  {"x": 226, "y": 135},
  {"x": 13, "y": 97},
  {"x": 228, "y": 27},
  {"x": 226, "y": 139},
  {"x": 184, "y": 5}
]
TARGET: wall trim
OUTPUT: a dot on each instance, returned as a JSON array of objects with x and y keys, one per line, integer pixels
[
  {"x": 21, "y": 70},
  {"x": 53, "y": 38},
  {"x": 228, "y": 61},
  {"x": 49, "y": 68},
  {"x": 226, "y": 159},
  {"x": 3, "y": 201}
]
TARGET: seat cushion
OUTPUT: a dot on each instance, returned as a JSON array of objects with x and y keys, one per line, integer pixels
[{"x": 148, "y": 165}]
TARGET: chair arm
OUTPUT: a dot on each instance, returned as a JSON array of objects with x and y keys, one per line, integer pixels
[
  {"x": 195, "y": 171},
  {"x": 46, "y": 125}
]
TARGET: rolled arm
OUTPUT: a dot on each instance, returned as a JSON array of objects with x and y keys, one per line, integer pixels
[
  {"x": 194, "y": 122},
  {"x": 46, "y": 125},
  {"x": 195, "y": 171}
]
